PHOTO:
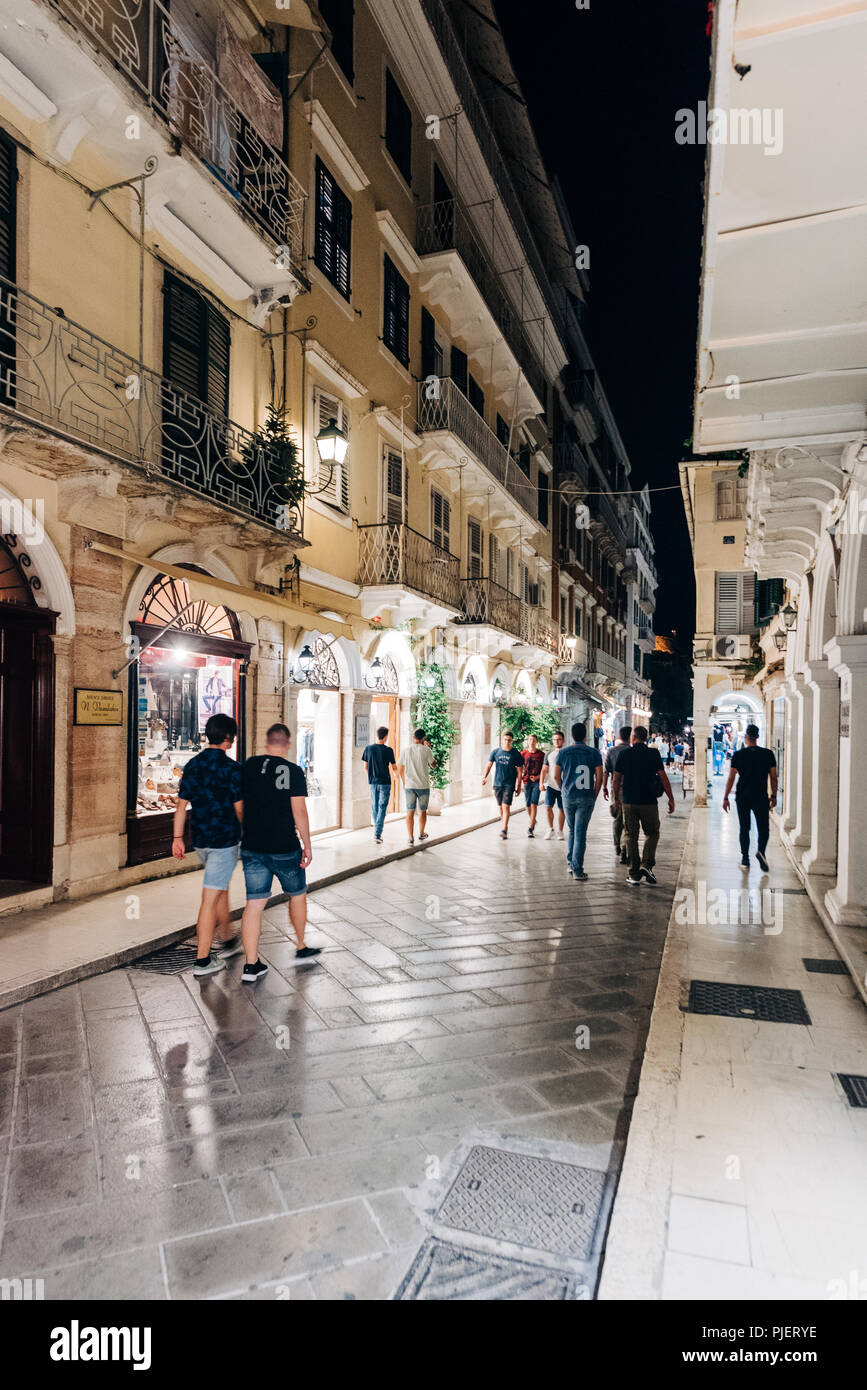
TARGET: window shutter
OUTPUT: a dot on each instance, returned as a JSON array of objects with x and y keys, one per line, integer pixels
[
  {"x": 395, "y": 321},
  {"x": 428, "y": 344},
  {"x": 728, "y": 603},
  {"x": 398, "y": 127},
  {"x": 217, "y": 375},
  {"x": 8, "y": 206},
  {"x": 475, "y": 548},
  {"x": 395, "y": 505},
  {"x": 333, "y": 232},
  {"x": 184, "y": 337},
  {"x": 493, "y": 558},
  {"x": 336, "y": 493},
  {"x": 459, "y": 369},
  {"x": 476, "y": 396},
  {"x": 510, "y": 571},
  {"x": 748, "y": 597},
  {"x": 502, "y": 431},
  {"x": 440, "y": 519}
]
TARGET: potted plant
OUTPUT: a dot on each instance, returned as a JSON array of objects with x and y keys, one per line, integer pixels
[{"x": 274, "y": 448}]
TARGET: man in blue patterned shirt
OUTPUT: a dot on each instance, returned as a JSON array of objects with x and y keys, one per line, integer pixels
[{"x": 211, "y": 783}]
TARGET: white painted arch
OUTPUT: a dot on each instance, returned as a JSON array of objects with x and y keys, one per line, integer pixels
[
  {"x": 55, "y": 591},
  {"x": 182, "y": 553}
]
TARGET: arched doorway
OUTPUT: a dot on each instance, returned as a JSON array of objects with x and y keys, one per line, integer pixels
[
  {"x": 190, "y": 663},
  {"x": 26, "y": 723},
  {"x": 318, "y": 733}
]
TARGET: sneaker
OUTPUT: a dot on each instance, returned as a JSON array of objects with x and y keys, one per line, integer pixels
[
  {"x": 763, "y": 863},
  {"x": 308, "y": 952},
  {"x": 569, "y": 871},
  {"x": 254, "y": 972},
  {"x": 377, "y": 839},
  {"x": 504, "y": 834},
  {"x": 549, "y": 834},
  {"x": 424, "y": 836},
  {"x": 410, "y": 841},
  {"x": 648, "y": 875},
  {"x": 745, "y": 863},
  {"x": 560, "y": 835},
  {"x": 531, "y": 834},
  {"x": 223, "y": 950},
  {"x": 209, "y": 966},
  {"x": 633, "y": 882},
  {"x": 582, "y": 877},
  {"x": 624, "y": 857}
]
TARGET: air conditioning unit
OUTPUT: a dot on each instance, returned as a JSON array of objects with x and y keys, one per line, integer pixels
[{"x": 733, "y": 647}]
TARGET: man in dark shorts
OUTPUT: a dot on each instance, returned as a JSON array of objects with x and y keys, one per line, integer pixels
[
  {"x": 553, "y": 795},
  {"x": 211, "y": 784},
  {"x": 276, "y": 843},
  {"x": 508, "y": 774},
  {"x": 636, "y": 770},
  {"x": 752, "y": 766},
  {"x": 378, "y": 759},
  {"x": 616, "y": 807},
  {"x": 534, "y": 761}
]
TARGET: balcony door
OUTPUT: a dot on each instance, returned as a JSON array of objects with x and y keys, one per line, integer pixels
[
  {"x": 8, "y": 219},
  {"x": 196, "y": 362},
  {"x": 26, "y": 731},
  {"x": 395, "y": 495}
]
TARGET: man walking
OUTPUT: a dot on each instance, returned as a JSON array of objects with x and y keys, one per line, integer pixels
[
  {"x": 553, "y": 795},
  {"x": 276, "y": 843},
  {"x": 508, "y": 774},
  {"x": 378, "y": 759},
  {"x": 638, "y": 776},
  {"x": 616, "y": 807},
  {"x": 578, "y": 774},
  {"x": 752, "y": 766},
  {"x": 211, "y": 784},
  {"x": 414, "y": 769},
  {"x": 534, "y": 761}
]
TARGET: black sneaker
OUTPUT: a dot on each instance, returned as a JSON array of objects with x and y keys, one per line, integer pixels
[
  {"x": 624, "y": 857},
  {"x": 582, "y": 877},
  {"x": 209, "y": 966},
  {"x": 648, "y": 875},
  {"x": 308, "y": 952},
  {"x": 224, "y": 950},
  {"x": 745, "y": 863},
  {"x": 254, "y": 972},
  {"x": 377, "y": 839},
  {"x": 504, "y": 834},
  {"x": 763, "y": 863},
  {"x": 530, "y": 834},
  {"x": 633, "y": 882}
]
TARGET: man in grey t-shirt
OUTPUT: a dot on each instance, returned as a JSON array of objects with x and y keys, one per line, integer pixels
[
  {"x": 414, "y": 769},
  {"x": 553, "y": 796}
]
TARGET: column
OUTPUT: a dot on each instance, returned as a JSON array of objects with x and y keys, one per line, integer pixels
[
  {"x": 801, "y": 764},
  {"x": 355, "y": 792},
  {"x": 701, "y": 732},
  {"x": 794, "y": 759},
  {"x": 823, "y": 738},
  {"x": 454, "y": 792},
  {"x": 847, "y": 901}
]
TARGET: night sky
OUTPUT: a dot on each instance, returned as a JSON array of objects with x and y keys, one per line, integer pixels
[{"x": 603, "y": 86}]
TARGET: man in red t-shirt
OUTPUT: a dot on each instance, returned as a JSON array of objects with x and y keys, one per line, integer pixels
[{"x": 534, "y": 759}]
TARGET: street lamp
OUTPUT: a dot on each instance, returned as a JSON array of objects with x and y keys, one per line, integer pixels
[
  {"x": 788, "y": 616},
  {"x": 781, "y": 638},
  {"x": 374, "y": 674},
  {"x": 332, "y": 443},
  {"x": 305, "y": 661}
]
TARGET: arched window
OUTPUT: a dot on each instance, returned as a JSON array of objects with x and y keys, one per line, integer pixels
[
  {"x": 16, "y": 585},
  {"x": 168, "y": 600},
  {"x": 324, "y": 671}
]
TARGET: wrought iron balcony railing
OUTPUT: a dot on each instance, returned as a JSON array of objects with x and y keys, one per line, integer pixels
[
  {"x": 572, "y": 650},
  {"x": 446, "y": 226},
  {"x": 539, "y": 629},
  {"x": 449, "y": 409},
  {"x": 572, "y": 466},
  {"x": 487, "y": 603},
  {"x": 602, "y": 663},
  {"x": 392, "y": 553},
  {"x": 55, "y": 373},
  {"x": 162, "y": 60}
]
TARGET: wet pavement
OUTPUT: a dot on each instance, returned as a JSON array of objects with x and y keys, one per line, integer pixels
[{"x": 435, "y": 1109}]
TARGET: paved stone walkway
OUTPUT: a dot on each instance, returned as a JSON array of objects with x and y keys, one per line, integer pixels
[{"x": 410, "y": 1117}]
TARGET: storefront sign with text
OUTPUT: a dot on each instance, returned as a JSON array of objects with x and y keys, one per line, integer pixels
[{"x": 98, "y": 707}]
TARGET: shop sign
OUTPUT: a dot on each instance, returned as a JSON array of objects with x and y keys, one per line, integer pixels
[
  {"x": 98, "y": 707},
  {"x": 362, "y": 730},
  {"x": 845, "y": 708}
]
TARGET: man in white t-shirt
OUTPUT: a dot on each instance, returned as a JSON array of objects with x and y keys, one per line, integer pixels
[
  {"x": 553, "y": 796},
  {"x": 414, "y": 768}
]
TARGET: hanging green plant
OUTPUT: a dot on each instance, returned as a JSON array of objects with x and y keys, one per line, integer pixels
[
  {"x": 430, "y": 712},
  {"x": 522, "y": 720}
]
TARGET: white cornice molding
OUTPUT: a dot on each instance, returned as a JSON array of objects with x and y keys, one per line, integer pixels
[
  {"x": 322, "y": 580},
  {"x": 23, "y": 94},
  {"x": 333, "y": 371},
  {"x": 342, "y": 160},
  {"x": 200, "y": 253},
  {"x": 398, "y": 243},
  {"x": 390, "y": 426}
]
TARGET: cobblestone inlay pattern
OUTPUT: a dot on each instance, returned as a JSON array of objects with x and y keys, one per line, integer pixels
[
  {"x": 531, "y": 1202},
  {"x": 441, "y": 1271},
  {"x": 821, "y": 966},
  {"x": 855, "y": 1088},
  {"x": 163, "y": 1136},
  {"x": 171, "y": 960},
  {"x": 758, "y": 1003}
]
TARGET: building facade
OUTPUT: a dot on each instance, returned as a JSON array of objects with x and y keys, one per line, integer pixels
[
  {"x": 281, "y": 395},
  {"x": 782, "y": 375}
]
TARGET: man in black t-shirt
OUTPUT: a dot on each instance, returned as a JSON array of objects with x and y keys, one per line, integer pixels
[
  {"x": 378, "y": 758},
  {"x": 753, "y": 766},
  {"x": 276, "y": 841},
  {"x": 638, "y": 775}
]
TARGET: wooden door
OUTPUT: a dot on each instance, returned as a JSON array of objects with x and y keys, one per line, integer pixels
[{"x": 26, "y": 743}]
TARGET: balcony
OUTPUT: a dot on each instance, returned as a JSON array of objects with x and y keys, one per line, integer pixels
[
  {"x": 572, "y": 468},
  {"x": 449, "y": 412},
  {"x": 609, "y": 670},
  {"x": 539, "y": 629},
  {"x": 485, "y": 603},
  {"x": 406, "y": 573},
  {"x": 578, "y": 388},
  {"x": 60, "y": 377},
  {"x": 165, "y": 61},
  {"x": 446, "y": 227},
  {"x": 606, "y": 525}
]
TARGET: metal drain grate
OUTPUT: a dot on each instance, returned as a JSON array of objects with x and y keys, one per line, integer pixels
[
  {"x": 171, "y": 960},
  {"x": 535, "y": 1203},
  {"x": 756, "y": 1002},
  {"x": 818, "y": 966},
  {"x": 855, "y": 1088},
  {"x": 441, "y": 1271}
]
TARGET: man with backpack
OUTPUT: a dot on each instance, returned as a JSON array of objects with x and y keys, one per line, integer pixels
[{"x": 639, "y": 780}]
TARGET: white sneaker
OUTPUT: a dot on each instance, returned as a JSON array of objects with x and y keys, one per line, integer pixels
[
  {"x": 410, "y": 841},
  {"x": 560, "y": 835},
  {"x": 549, "y": 834}
]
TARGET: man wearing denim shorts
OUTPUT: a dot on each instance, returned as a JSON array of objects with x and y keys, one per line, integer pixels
[
  {"x": 534, "y": 761},
  {"x": 414, "y": 768},
  {"x": 553, "y": 795},
  {"x": 276, "y": 843},
  {"x": 508, "y": 775},
  {"x": 211, "y": 783}
]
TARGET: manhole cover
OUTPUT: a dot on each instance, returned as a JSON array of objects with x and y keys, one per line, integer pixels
[
  {"x": 442, "y": 1271},
  {"x": 171, "y": 960},
  {"x": 532, "y": 1202},
  {"x": 855, "y": 1088},
  {"x": 756, "y": 1002},
  {"x": 824, "y": 967}
]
